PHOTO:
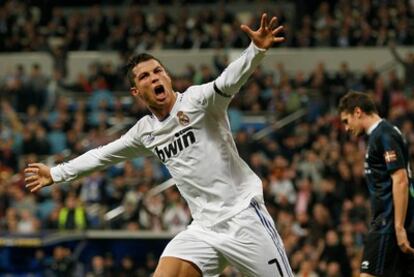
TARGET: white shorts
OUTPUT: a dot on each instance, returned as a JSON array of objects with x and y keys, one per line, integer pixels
[{"x": 248, "y": 241}]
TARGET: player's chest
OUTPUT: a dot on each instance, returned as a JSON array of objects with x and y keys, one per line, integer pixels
[
  {"x": 181, "y": 131},
  {"x": 374, "y": 159}
]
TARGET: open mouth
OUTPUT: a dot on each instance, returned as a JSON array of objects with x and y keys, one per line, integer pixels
[{"x": 159, "y": 89}]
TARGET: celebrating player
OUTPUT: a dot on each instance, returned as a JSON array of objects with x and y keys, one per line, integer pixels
[{"x": 190, "y": 133}]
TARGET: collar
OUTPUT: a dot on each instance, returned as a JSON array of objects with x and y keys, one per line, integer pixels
[
  {"x": 373, "y": 126},
  {"x": 173, "y": 109}
]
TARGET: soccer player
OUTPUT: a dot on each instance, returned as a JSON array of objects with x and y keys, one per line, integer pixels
[
  {"x": 388, "y": 247},
  {"x": 189, "y": 132}
]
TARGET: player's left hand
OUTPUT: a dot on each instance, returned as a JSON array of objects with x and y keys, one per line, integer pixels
[
  {"x": 403, "y": 242},
  {"x": 267, "y": 34}
]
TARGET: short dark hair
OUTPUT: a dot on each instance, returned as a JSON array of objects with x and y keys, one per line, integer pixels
[
  {"x": 137, "y": 59},
  {"x": 355, "y": 99}
]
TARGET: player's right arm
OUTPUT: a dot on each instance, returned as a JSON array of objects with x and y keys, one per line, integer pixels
[{"x": 39, "y": 175}]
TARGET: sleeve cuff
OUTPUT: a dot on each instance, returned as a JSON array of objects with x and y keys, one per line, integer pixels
[
  {"x": 54, "y": 173},
  {"x": 257, "y": 48}
]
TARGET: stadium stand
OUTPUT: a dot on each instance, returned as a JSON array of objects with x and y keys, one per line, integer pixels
[{"x": 312, "y": 173}]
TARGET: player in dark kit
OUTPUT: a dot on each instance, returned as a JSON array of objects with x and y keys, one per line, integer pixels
[{"x": 387, "y": 249}]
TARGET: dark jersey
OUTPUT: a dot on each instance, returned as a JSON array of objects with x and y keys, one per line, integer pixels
[{"x": 387, "y": 151}]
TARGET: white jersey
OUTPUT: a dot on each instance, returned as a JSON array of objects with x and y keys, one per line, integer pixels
[{"x": 194, "y": 142}]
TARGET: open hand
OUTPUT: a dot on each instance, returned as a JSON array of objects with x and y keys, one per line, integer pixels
[
  {"x": 267, "y": 34},
  {"x": 37, "y": 176}
]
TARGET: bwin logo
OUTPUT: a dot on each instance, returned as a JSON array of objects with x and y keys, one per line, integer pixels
[{"x": 184, "y": 139}]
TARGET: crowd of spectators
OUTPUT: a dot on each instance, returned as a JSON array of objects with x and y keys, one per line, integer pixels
[
  {"x": 26, "y": 26},
  {"x": 312, "y": 172}
]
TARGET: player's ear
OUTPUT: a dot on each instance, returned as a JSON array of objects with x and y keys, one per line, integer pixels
[{"x": 134, "y": 91}]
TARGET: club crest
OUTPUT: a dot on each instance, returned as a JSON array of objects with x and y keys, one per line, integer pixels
[{"x": 183, "y": 119}]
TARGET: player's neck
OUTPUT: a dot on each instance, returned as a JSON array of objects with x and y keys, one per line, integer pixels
[
  {"x": 164, "y": 112},
  {"x": 371, "y": 120}
]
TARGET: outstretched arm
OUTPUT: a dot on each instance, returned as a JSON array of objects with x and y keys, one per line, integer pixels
[
  {"x": 40, "y": 175},
  {"x": 237, "y": 73}
]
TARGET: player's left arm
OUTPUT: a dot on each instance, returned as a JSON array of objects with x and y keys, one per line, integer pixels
[
  {"x": 218, "y": 94},
  {"x": 396, "y": 163},
  {"x": 400, "y": 198}
]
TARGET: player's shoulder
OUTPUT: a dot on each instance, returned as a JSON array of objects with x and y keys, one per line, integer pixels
[
  {"x": 143, "y": 126},
  {"x": 386, "y": 124},
  {"x": 391, "y": 128},
  {"x": 387, "y": 131},
  {"x": 197, "y": 94},
  {"x": 194, "y": 89},
  {"x": 385, "y": 128},
  {"x": 145, "y": 122}
]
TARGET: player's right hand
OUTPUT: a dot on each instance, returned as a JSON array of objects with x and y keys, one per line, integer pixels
[
  {"x": 37, "y": 176},
  {"x": 403, "y": 242}
]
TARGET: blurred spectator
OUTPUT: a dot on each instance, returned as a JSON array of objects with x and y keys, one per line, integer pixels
[
  {"x": 306, "y": 270},
  {"x": 57, "y": 138},
  {"x": 38, "y": 83},
  {"x": 9, "y": 221},
  {"x": 72, "y": 216},
  {"x": 39, "y": 263},
  {"x": 176, "y": 215},
  {"x": 98, "y": 268},
  {"x": 359, "y": 211},
  {"x": 343, "y": 81},
  {"x": 93, "y": 190},
  {"x": 311, "y": 167},
  {"x": 321, "y": 222},
  {"x": 306, "y": 197},
  {"x": 20, "y": 200},
  {"x": 49, "y": 202},
  {"x": 62, "y": 263},
  {"x": 331, "y": 198},
  {"x": 59, "y": 55},
  {"x": 368, "y": 78},
  {"x": 281, "y": 186},
  {"x": 127, "y": 268},
  {"x": 408, "y": 64},
  {"x": 27, "y": 223},
  {"x": 334, "y": 252},
  {"x": 153, "y": 212}
]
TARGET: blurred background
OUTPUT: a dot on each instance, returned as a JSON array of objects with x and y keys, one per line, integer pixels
[{"x": 63, "y": 91}]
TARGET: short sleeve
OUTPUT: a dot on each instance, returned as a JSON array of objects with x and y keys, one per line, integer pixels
[{"x": 392, "y": 151}]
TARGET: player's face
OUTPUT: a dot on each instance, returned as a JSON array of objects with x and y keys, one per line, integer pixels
[
  {"x": 352, "y": 123},
  {"x": 153, "y": 86}
]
